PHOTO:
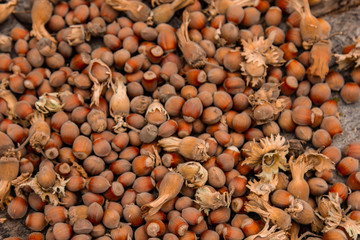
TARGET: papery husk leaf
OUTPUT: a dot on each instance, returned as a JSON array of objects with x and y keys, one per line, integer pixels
[
  {"x": 209, "y": 200},
  {"x": 6, "y": 9},
  {"x": 318, "y": 161},
  {"x": 335, "y": 212},
  {"x": 276, "y": 215},
  {"x": 262, "y": 189},
  {"x": 270, "y": 153},
  {"x": 49, "y": 102},
  {"x": 269, "y": 233},
  {"x": 41, "y": 13},
  {"x": 195, "y": 175},
  {"x": 346, "y": 61}
]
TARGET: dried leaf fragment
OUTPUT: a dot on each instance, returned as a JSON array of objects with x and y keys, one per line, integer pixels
[
  {"x": 346, "y": 61},
  {"x": 40, "y": 14},
  {"x": 208, "y": 199}
]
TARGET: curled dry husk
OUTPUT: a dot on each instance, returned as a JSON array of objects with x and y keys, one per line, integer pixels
[
  {"x": 98, "y": 86},
  {"x": 154, "y": 107},
  {"x": 335, "y": 216},
  {"x": 208, "y": 199},
  {"x": 9, "y": 169},
  {"x": 135, "y": 10},
  {"x": 269, "y": 233},
  {"x": 221, "y": 6},
  {"x": 193, "y": 53},
  {"x": 310, "y": 28},
  {"x": 320, "y": 57},
  {"x": 267, "y": 95},
  {"x": 76, "y": 34},
  {"x": 5, "y": 43},
  {"x": 276, "y": 215},
  {"x": 262, "y": 189},
  {"x": 50, "y": 195},
  {"x": 259, "y": 53},
  {"x": 190, "y": 147},
  {"x": 270, "y": 154},
  {"x": 350, "y": 59},
  {"x": 49, "y": 102},
  {"x": 169, "y": 188},
  {"x": 194, "y": 174},
  {"x": 6, "y": 9},
  {"x": 301, "y": 211},
  {"x": 41, "y": 13},
  {"x": 319, "y": 162},
  {"x": 9, "y": 98}
]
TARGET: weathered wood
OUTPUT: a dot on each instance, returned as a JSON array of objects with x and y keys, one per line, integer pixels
[{"x": 333, "y": 6}]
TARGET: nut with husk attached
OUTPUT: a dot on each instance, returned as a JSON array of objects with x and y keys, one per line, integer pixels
[
  {"x": 136, "y": 11},
  {"x": 51, "y": 194},
  {"x": 301, "y": 211},
  {"x": 49, "y": 102},
  {"x": 269, "y": 233},
  {"x": 41, "y": 13},
  {"x": 270, "y": 154},
  {"x": 221, "y": 6},
  {"x": 156, "y": 113},
  {"x": 9, "y": 169},
  {"x": 330, "y": 211},
  {"x": 276, "y": 215},
  {"x": 39, "y": 133},
  {"x": 210, "y": 199},
  {"x": 76, "y": 35},
  {"x": 6, "y": 9},
  {"x": 352, "y": 58},
  {"x": 265, "y": 103},
  {"x": 5, "y": 43},
  {"x": 9, "y": 98},
  {"x": 259, "y": 53},
  {"x": 310, "y": 27},
  {"x": 164, "y": 12},
  {"x": 97, "y": 120},
  {"x": 193, "y": 53},
  {"x": 100, "y": 74},
  {"x": 169, "y": 188},
  {"x": 120, "y": 105},
  {"x": 195, "y": 175},
  {"x": 190, "y": 147},
  {"x": 46, "y": 47}
]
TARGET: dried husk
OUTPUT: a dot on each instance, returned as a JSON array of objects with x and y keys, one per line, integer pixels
[
  {"x": 50, "y": 195},
  {"x": 136, "y": 11},
  {"x": 267, "y": 95},
  {"x": 301, "y": 211},
  {"x": 156, "y": 108},
  {"x": 75, "y": 35},
  {"x": 9, "y": 169},
  {"x": 5, "y": 42},
  {"x": 209, "y": 199},
  {"x": 269, "y": 233},
  {"x": 320, "y": 57},
  {"x": 310, "y": 28},
  {"x": 39, "y": 133},
  {"x": 270, "y": 154},
  {"x": 120, "y": 105},
  {"x": 319, "y": 162},
  {"x": 298, "y": 186},
  {"x": 276, "y": 215},
  {"x": 194, "y": 174},
  {"x": 41, "y": 13},
  {"x": 6, "y": 9},
  {"x": 193, "y": 53},
  {"x": 98, "y": 86},
  {"x": 49, "y": 102},
  {"x": 221, "y": 6},
  {"x": 346, "y": 61},
  {"x": 9, "y": 98},
  {"x": 190, "y": 147},
  {"x": 166, "y": 11},
  {"x": 262, "y": 189},
  {"x": 169, "y": 188},
  {"x": 258, "y": 54}
]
